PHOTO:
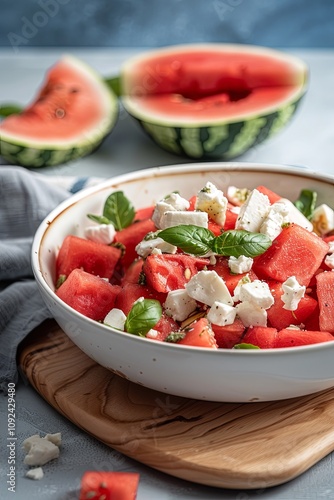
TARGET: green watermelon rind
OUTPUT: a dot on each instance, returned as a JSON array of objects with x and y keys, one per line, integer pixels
[
  {"x": 226, "y": 141},
  {"x": 32, "y": 154}
]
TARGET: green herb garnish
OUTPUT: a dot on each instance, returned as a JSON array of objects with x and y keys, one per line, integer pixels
[
  {"x": 244, "y": 345},
  {"x": 306, "y": 202},
  {"x": 143, "y": 316},
  {"x": 197, "y": 240},
  {"x": 118, "y": 210}
]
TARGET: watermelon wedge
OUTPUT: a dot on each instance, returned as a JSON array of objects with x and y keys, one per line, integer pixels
[
  {"x": 72, "y": 113},
  {"x": 212, "y": 100}
]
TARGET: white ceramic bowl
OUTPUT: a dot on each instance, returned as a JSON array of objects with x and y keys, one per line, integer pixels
[{"x": 206, "y": 374}]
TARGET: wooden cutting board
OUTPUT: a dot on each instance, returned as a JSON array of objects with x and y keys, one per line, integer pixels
[{"x": 228, "y": 445}]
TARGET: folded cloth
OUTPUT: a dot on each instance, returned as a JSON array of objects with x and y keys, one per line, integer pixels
[{"x": 26, "y": 199}]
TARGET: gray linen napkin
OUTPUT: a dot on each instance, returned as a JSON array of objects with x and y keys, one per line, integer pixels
[{"x": 25, "y": 199}]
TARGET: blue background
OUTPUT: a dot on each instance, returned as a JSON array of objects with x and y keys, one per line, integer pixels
[{"x": 149, "y": 23}]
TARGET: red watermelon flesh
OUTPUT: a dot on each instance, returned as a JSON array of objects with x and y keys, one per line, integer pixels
[
  {"x": 200, "y": 82},
  {"x": 72, "y": 104}
]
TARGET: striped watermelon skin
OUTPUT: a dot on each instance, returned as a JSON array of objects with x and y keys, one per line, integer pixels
[
  {"x": 226, "y": 141},
  {"x": 27, "y": 156}
]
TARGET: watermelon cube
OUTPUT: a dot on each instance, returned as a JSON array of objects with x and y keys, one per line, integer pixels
[
  {"x": 94, "y": 258},
  {"x": 295, "y": 252},
  {"x": 90, "y": 295}
]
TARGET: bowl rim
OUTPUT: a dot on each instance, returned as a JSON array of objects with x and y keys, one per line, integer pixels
[{"x": 160, "y": 171}]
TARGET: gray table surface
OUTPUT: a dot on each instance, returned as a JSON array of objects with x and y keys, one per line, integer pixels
[{"x": 308, "y": 141}]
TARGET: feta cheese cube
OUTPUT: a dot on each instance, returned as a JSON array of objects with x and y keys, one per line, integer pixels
[
  {"x": 36, "y": 473},
  {"x": 221, "y": 314},
  {"x": 145, "y": 247},
  {"x": 103, "y": 233},
  {"x": 329, "y": 260},
  {"x": 212, "y": 201},
  {"x": 251, "y": 315},
  {"x": 176, "y": 201},
  {"x": 277, "y": 216},
  {"x": 257, "y": 293},
  {"x": 236, "y": 291},
  {"x": 208, "y": 287},
  {"x": 175, "y": 218},
  {"x": 115, "y": 318},
  {"x": 240, "y": 265},
  {"x": 253, "y": 212},
  {"x": 323, "y": 219},
  {"x": 293, "y": 292},
  {"x": 296, "y": 216},
  {"x": 237, "y": 196},
  {"x": 179, "y": 305},
  {"x": 173, "y": 202},
  {"x": 40, "y": 450}
]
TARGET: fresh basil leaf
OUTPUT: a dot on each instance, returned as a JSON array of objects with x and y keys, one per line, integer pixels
[
  {"x": 119, "y": 210},
  {"x": 100, "y": 219},
  {"x": 143, "y": 316},
  {"x": 306, "y": 202},
  {"x": 191, "y": 239},
  {"x": 243, "y": 345},
  {"x": 237, "y": 242}
]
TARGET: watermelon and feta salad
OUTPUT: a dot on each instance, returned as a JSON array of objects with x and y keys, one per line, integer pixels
[{"x": 240, "y": 269}]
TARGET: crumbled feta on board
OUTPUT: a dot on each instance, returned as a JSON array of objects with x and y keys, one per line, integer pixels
[
  {"x": 39, "y": 450},
  {"x": 36, "y": 473}
]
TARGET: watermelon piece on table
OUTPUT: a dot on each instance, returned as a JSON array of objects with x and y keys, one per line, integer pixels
[
  {"x": 293, "y": 338},
  {"x": 105, "y": 485},
  {"x": 325, "y": 293},
  {"x": 131, "y": 236},
  {"x": 94, "y": 258},
  {"x": 295, "y": 252},
  {"x": 280, "y": 318},
  {"x": 262, "y": 336},
  {"x": 167, "y": 272},
  {"x": 90, "y": 295}
]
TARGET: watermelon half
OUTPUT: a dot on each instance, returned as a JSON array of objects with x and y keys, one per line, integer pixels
[
  {"x": 212, "y": 100},
  {"x": 71, "y": 115}
]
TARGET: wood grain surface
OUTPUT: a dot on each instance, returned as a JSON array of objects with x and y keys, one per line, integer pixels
[{"x": 228, "y": 445}]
